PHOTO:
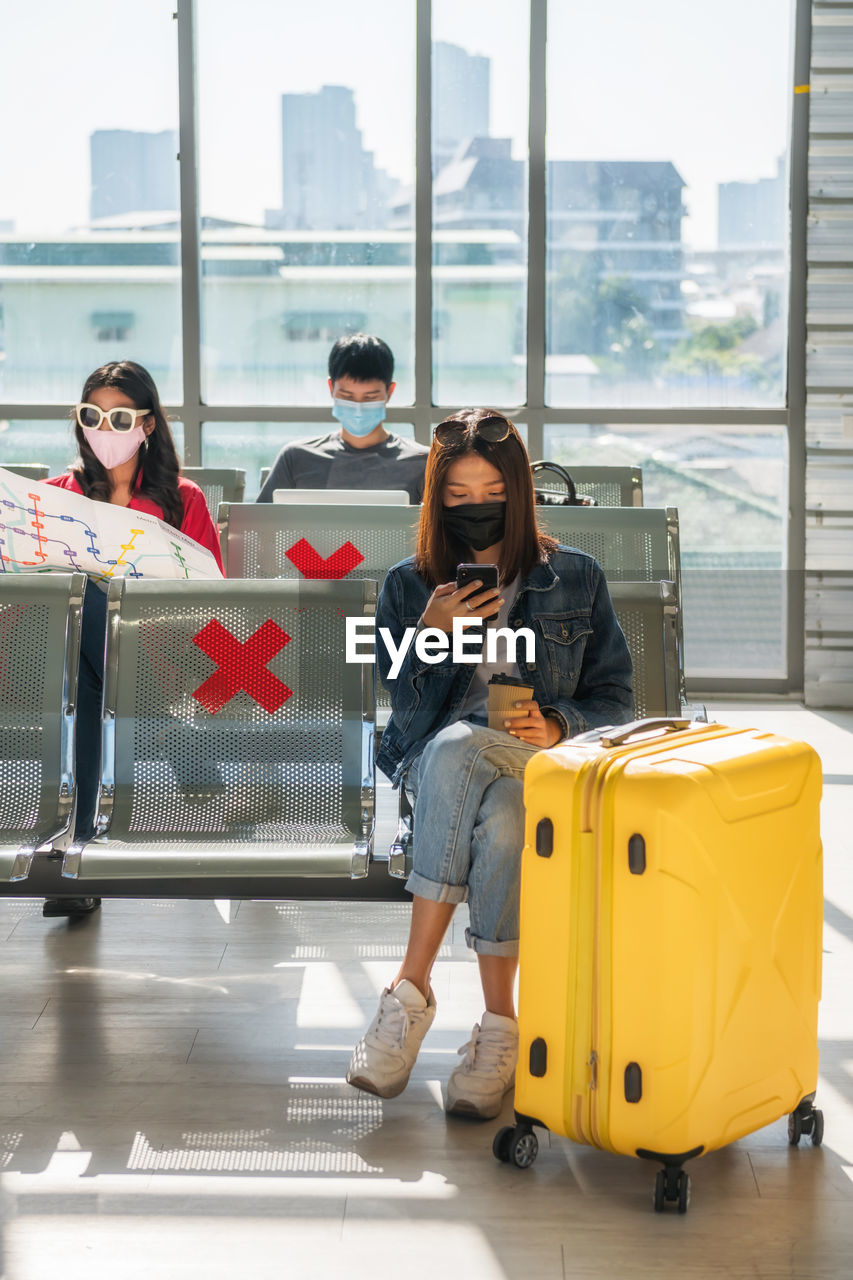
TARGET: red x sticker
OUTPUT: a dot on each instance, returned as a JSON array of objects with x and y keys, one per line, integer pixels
[
  {"x": 311, "y": 564},
  {"x": 242, "y": 666}
]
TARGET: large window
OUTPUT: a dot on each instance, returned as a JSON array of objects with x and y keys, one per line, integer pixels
[
  {"x": 89, "y": 203},
  {"x": 480, "y": 57},
  {"x": 595, "y": 240},
  {"x": 306, "y": 132},
  {"x": 667, "y": 212}
]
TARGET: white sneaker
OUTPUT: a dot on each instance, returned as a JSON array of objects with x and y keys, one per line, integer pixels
[
  {"x": 477, "y": 1086},
  {"x": 384, "y": 1056}
]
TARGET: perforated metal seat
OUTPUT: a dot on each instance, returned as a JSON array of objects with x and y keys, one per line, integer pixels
[
  {"x": 610, "y": 486},
  {"x": 632, "y": 544},
  {"x": 237, "y": 740},
  {"x": 263, "y": 540},
  {"x": 40, "y": 620},
  {"x": 648, "y": 615},
  {"x": 218, "y": 484}
]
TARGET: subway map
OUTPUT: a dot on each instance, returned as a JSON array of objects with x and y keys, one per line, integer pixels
[{"x": 43, "y": 527}]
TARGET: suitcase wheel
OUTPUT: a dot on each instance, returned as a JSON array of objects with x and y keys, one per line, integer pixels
[
  {"x": 672, "y": 1186},
  {"x": 516, "y": 1144},
  {"x": 795, "y": 1128},
  {"x": 805, "y": 1120},
  {"x": 817, "y": 1128}
]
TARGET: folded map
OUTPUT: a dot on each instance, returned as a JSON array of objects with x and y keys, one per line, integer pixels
[{"x": 43, "y": 527}]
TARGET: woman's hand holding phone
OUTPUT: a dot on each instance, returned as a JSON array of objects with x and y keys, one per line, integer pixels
[{"x": 449, "y": 601}]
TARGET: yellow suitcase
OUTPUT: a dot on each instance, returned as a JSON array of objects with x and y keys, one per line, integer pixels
[{"x": 670, "y": 955}]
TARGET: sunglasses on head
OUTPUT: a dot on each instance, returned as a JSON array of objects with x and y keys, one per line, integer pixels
[
  {"x": 90, "y": 417},
  {"x": 493, "y": 429}
]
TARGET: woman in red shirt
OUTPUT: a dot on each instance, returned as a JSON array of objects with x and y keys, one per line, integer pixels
[{"x": 128, "y": 458}]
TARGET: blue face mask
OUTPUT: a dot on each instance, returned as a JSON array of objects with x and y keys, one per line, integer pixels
[{"x": 359, "y": 419}]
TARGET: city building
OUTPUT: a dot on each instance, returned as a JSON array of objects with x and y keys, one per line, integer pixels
[
  {"x": 753, "y": 213},
  {"x": 615, "y": 237},
  {"x": 461, "y": 87},
  {"x": 615, "y": 248},
  {"x": 329, "y": 180},
  {"x": 132, "y": 171}
]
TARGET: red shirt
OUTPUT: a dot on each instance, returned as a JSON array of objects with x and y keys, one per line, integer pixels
[{"x": 196, "y": 523}]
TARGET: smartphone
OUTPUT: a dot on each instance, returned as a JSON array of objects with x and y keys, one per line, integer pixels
[{"x": 485, "y": 573}]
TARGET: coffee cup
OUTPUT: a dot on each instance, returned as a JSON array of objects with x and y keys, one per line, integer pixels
[{"x": 504, "y": 692}]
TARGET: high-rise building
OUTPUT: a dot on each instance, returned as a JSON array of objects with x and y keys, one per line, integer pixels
[
  {"x": 460, "y": 99},
  {"x": 132, "y": 172},
  {"x": 614, "y": 234},
  {"x": 615, "y": 239},
  {"x": 329, "y": 181},
  {"x": 753, "y": 212}
]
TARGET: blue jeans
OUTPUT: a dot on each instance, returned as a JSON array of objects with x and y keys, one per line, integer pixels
[{"x": 467, "y": 785}]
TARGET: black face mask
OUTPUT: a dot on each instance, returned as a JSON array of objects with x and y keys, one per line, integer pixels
[{"x": 477, "y": 524}]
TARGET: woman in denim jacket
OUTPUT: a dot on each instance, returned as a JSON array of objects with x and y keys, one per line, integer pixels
[{"x": 465, "y": 778}]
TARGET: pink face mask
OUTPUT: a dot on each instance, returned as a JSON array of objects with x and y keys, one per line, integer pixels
[{"x": 112, "y": 448}]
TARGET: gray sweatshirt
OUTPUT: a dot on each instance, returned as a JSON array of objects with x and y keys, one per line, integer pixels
[{"x": 330, "y": 463}]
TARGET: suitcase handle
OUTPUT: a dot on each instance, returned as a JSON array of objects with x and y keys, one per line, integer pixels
[{"x": 617, "y": 735}]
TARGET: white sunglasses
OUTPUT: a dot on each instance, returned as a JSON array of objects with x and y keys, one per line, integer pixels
[{"x": 90, "y": 417}]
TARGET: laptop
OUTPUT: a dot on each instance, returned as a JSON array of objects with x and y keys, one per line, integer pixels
[{"x": 344, "y": 497}]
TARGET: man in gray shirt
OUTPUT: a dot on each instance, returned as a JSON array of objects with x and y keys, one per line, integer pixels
[{"x": 362, "y": 454}]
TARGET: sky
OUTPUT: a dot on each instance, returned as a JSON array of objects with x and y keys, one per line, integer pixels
[{"x": 707, "y": 87}]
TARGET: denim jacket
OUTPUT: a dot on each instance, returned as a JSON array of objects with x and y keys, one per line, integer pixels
[{"x": 582, "y": 672}]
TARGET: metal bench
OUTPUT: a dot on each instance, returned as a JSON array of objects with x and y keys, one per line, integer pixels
[
  {"x": 632, "y": 544},
  {"x": 262, "y": 540},
  {"x": 266, "y": 801},
  {"x": 40, "y": 619},
  {"x": 648, "y": 615},
  {"x": 610, "y": 486},
  {"x": 237, "y": 743},
  {"x": 218, "y": 484}
]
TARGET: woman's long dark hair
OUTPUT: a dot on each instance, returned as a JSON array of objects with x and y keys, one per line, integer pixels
[
  {"x": 157, "y": 466},
  {"x": 524, "y": 543}
]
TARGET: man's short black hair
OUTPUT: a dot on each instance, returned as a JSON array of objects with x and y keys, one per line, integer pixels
[{"x": 362, "y": 357}]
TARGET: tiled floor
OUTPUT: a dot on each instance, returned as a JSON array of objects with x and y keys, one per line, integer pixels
[{"x": 172, "y": 1104}]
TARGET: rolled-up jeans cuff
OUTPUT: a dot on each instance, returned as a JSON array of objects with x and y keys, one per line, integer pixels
[
  {"x": 435, "y": 890},
  {"x": 485, "y": 947}
]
